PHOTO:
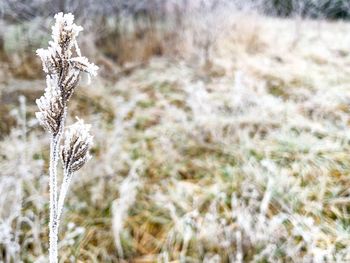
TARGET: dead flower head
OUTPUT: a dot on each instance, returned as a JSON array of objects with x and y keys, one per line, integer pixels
[
  {"x": 63, "y": 71},
  {"x": 77, "y": 143}
]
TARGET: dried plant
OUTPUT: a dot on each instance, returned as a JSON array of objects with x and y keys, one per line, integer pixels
[
  {"x": 63, "y": 74},
  {"x": 74, "y": 154}
]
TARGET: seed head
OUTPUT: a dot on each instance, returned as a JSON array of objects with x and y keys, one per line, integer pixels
[
  {"x": 64, "y": 32},
  {"x": 63, "y": 71},
  {"x": 77, "y": 143},
  {"x": 57, "y": 59},
  {"x": 51, "y": 107}
]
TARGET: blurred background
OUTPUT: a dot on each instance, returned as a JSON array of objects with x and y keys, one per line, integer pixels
[{"x": 221, "y": 132}]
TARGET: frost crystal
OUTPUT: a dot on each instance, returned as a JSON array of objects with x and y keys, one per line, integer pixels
[
  {"x": 83, "y": 64},
  {"x": 65, "y": 31}
]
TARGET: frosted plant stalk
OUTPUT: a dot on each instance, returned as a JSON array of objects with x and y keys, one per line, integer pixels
[
  {"x": 127, "y": 191},
  {"x": 74, "y": 154},
  {"x": 63, "y": 75}
]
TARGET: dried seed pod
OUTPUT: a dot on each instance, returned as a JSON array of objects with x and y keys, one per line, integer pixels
[
  {"x": 75, "y": 150},
  {"x": 51, "y": 106}
]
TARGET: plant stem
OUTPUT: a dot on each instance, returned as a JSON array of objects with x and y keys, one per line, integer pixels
[
  {"x": 53, "y": 226},
  {"x": 67, "y": 178},
  {"x": 54, "y": 223}
]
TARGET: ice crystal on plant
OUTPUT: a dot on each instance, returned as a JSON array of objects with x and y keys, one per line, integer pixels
[
  {"x": 83, "y": 64},
  {"x": 64, "y": 32},
  {"x": 63, "y": 74}
]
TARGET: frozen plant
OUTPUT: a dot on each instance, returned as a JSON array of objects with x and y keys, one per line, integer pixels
[
  {"x": 128, "y": 191},
  {"x": 63, "y": 74}
]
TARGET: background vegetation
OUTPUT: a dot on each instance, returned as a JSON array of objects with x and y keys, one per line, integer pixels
[{"x": 221, "y": 133}]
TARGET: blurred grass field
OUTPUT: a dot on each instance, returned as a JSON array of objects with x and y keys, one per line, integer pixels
[{"x": 240, "y": 158}]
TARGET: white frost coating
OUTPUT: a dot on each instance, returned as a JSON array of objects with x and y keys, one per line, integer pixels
[
  {"x": 64, "y": 25},
  {"x": 50, "y": 105},
  {"x": 64, "y": 34},
  {"x": 63, "y": 73},
  {"x": 80, "y": 129},
  {"x": 83, "y": 64},
  {"x": 75, "y": 150},
  {"x": 74, "y": 153},
  {"x": 121, "y": 206},
  {"x": 44, "y": 55},
  {"x": 53, "y": 224},
  {"x": 63, "y": 193}
]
